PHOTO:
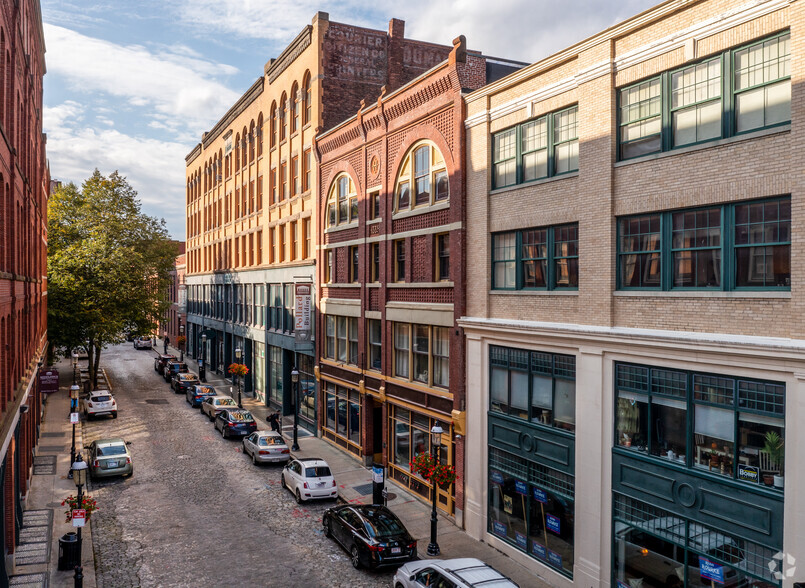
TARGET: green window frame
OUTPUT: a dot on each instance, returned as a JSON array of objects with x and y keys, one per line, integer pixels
[
  {"x": 542, "y": 258},
  {"x": 741, "y": 246},
  {"x": 534, "y": 386},
  {"x": 739, "y": 90},
  {"x": 714, "y": 405},
  {"x": 540, "y": 148}
]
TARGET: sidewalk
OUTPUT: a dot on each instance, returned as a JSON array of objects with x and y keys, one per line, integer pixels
[
  {"x": 355, "y": 486},
  {"x": 43, "y": 520}
]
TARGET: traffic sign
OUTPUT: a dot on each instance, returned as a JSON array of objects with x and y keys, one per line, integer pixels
[
  {"x": 74, "y": 417},
  {"x": 79, "y": 517}
]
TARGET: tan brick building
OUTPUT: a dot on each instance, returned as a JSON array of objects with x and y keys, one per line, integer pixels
[
  {"x": 634, "y": 326},
  {"x": 251, "y": 186}
]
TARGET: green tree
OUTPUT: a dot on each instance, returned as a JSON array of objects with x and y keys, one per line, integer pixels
[{"x": 108, "y": 266}]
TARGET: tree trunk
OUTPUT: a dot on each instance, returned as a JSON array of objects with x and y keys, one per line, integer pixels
[
  {"x": 90, "y": 351},
  {"x": 95, "y": 367}
]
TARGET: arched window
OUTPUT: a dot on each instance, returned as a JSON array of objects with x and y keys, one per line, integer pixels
[
  {"x": 237, "y": 152},
  {"x": 294, "y": 107},
  {"x": 281, "y": 116},
  {"x": 251, "y": 142},
  {"x": 273, "y": 124},
  {"x": 306, "y": 106},
  {"x": 244, "y": 141},
  {"x": 422, "y": 180},
  {"x": 342, "y": 202},
  {"x": 260, "y": 135}
]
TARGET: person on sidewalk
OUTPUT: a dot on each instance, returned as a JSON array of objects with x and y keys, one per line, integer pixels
[
  {"x": 274, "y": 420},
  {"x": 166, "y": 343}
]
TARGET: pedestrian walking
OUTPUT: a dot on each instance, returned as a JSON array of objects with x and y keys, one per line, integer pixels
[{"x": 167, "y": 342}]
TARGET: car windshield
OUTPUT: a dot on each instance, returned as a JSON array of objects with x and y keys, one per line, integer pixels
[
  {"x": 111, "y": 450},
  {"x": 245, "y": 417},
  {"x": 271, "y": 441},
  {"x": 317, "y": 472},
  {"x": 226, "y": 402},
  {"x": 101, "y": 398},
  {"x": 382, "y": 524}
]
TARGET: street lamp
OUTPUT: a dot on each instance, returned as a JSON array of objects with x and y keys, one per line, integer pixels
[
  {"x": 181, "y": 345},
  {"x": 80, "y": 478},
  {"x": 74, "y": 408},
  {"x": 238, "y": 355},
  {"x": 202, "y": 370},
  {"x": 436, "y": 443},
  {"x": 74, "y": 355},
  {"x": 295, "y": 380}
]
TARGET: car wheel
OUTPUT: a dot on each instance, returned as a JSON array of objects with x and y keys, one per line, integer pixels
[
  {"x": 298, "y": 497},
  {"x": 209, "y": 416},
  {"x": 114, "y": 415},
  {"x": 328, "y": 528},
  {"x": 223, "y": 433},
  {"x": 355, "y": 557},
  {"x": 282, "y": 481},
  {"x": 254, "y": 459}
]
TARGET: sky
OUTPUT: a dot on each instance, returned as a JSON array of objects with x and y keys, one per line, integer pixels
[{"x": 131, "y": 85}]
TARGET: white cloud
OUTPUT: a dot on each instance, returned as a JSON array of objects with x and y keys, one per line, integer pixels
[{"x": 169, "y": 83}]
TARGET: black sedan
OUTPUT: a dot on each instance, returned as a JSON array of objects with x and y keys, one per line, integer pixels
[
  {"x": 195, "y": 395},
  {"x": 161, "y": 360},
  {"x": 181, "y": 383},
  {"x": 372, "y": 534},
  {"x": 235, "y": 422},
  {"x": 172, "y": 368}
]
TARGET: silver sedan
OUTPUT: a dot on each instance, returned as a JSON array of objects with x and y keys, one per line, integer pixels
[{"x": 266, "y": 447}]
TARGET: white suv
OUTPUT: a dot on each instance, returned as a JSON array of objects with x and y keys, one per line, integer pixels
[
  {"x": 142, "y": 343},
  {"x": 99, "y": 402},
  {"x": 465, "y": 572}
]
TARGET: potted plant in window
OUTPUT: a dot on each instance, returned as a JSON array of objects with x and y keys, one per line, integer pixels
[{"x": 775, "y": 447}]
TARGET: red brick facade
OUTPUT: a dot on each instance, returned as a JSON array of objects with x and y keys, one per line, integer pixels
[
  {"x": 372, "y": 150},
  {"x": 24, "y": 189}
]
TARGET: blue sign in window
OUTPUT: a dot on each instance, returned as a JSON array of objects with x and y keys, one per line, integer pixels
[
  {"x": 552, "y": 523},
  {"x": 522, "y": 540},
  {"x": 496, "y": 477},
  {"x": 555, "y": 558},
  {"x": 710, "y": 570},
  {"x": 538, "y": 550},
  {"x": 521, "y": 487},
  {"x": 540, "y": 495},
  {"x": 499, "y": 528}
]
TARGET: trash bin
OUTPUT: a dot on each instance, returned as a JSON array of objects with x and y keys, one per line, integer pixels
[{"x": 68, "y": 551}]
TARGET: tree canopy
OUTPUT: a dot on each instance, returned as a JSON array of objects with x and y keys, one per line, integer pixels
[{"x": 108, "y": 265}]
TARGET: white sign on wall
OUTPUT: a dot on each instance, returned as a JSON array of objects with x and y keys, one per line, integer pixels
[{"x": 302, "y": 312}]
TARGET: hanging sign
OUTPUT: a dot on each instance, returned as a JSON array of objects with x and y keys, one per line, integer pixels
[{"x": 302, "y": 312}]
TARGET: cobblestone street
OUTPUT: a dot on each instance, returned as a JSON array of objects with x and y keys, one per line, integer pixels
[{"x": 196, "y": 512}]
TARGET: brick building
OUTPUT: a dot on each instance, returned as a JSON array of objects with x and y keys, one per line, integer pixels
[
  {"x": 634, "y": 322},
  {"x": 24, "y": 189},
  {"x": 391, "y": 273},
  {"x": 251, "y": 186},
  {"x": 175, "y": 322}
]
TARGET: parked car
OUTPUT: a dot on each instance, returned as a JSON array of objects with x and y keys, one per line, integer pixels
[
  {"x": 172, "y": 368},
  {"x": 196, "y": 394},
  {"x": 142, "y": 342},
  {"x": 465, "y": 572},
  {"x": 99, "y": 403},
  {"x": 161, "y": 360},
  {"x": 235, "y": 422},
  {"x": 266, "y": 447},
  {"x": 184, "y": 381},
  {"x": 308, "y": 478},
  {"x": 214, "y": 404},
  {"x": 110, "y": 457},
  {"x": 371, "y": 533}
]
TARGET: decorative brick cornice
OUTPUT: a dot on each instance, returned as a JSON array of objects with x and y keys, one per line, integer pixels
[{"x": 291, "y": 52}]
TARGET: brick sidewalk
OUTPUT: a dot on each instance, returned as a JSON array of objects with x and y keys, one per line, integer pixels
[{"x": 354, "y": 480}]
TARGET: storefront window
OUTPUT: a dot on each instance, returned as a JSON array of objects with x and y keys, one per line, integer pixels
[
  {"x": 535, "y": 386},
  {"x": 259, "y": 370},
  {"x": 344, "y": 412},
  {"x": 709, "y": 422},
  {"x": 275, "y": 375},
  {"x": 532, "y": 507},
  {"x": 307, "y": 389},
  {"x": 655, "y": 549}
]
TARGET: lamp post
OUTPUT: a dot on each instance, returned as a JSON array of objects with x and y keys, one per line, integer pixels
[
  {"x": 74, "y": 356},
  {"x": 238, "y": 355},
  {"x": 202, "y": 370},
  {"x": 80, "y": 478},
  {"x": 74, "y": 408},
  {"x": 295, "y": 380},
  {"x": 181, "y": 345},
  {"x": 436, "y": 442}
]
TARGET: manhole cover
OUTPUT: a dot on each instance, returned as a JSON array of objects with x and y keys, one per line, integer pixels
[{"x": 156, "y": 401}]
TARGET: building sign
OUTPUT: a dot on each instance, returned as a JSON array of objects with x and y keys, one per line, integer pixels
[
  {"x": 302, "y": 312},
  {"x": 356, "y": 54},
  {"x": 49, "y": 380},
  {"x": 749, "y": 473},
  {"x": 552, "y": 523},
  {"x": 710, "y": 570}
]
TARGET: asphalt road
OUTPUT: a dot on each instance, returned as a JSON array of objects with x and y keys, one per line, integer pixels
[{"x": 196, "y": 512}]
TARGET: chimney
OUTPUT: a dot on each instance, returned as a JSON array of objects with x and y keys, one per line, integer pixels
[{"x": 396, "y": 54}]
